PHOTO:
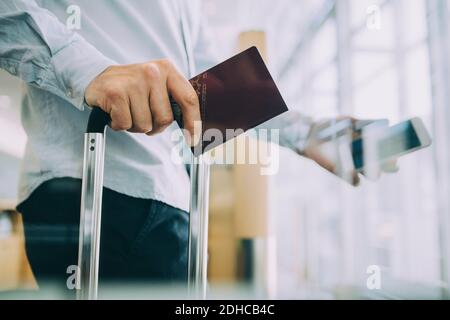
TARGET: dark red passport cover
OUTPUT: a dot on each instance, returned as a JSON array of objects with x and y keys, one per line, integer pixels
[{"x": 238, "y": 93}]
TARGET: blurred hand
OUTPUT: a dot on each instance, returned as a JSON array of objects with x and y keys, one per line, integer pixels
[
  {"x": 136, "y": 97},
  {"x": 314, "y": 151}
]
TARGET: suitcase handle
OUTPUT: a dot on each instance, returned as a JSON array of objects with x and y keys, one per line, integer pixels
[
  {"x": 91, "y": 199},
  {"x": 99, "y": 119}
]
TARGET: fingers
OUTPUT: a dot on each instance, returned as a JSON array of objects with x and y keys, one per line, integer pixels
[
  {"x": 325, "y": 162},
  {"x": 374, "y": 172},
  {"x": 316, "y": 155},
  {"x": 120, "y": 116},
  {"x": 351, "y": 177},
  {"x": 355, "y": 179},
  {"x": 137, "y": 98},
  {"x": 140, "y": 111},
  {"x": 117, "y": 105},
  {"x": 390, "y": 166},
  {"x": 185, "y": 95},
  {"x": 160, "y": 108}
]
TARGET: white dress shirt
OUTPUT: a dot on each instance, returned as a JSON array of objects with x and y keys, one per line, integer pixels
[{"x": 57, "y": 64}]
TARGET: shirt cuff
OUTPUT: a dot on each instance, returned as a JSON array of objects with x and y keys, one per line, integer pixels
[{"x": 75, "y": 66}]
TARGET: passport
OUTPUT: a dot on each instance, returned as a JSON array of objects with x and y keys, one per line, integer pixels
[{"x": 235, "y": 96}]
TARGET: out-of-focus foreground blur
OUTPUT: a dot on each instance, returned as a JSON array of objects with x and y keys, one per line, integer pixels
[{"x": 303, "y": 233}]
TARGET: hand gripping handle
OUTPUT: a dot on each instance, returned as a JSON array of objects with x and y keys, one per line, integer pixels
[{"x": 99, "y": 119}]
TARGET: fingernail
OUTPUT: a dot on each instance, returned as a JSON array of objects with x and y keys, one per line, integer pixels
[{"x": 149, "y": 132}]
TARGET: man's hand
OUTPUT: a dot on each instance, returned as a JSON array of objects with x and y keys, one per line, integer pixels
[
  {"x": 137, "y": 98},
  {"x": 332, "y": 161}
]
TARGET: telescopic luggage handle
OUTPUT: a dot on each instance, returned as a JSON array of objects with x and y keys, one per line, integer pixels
[
  {"x": 99, "y": 119},
  {"x": 91, "y": 206}
]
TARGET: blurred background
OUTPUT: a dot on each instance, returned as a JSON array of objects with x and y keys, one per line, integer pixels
[{"x": 302, "y": 233}]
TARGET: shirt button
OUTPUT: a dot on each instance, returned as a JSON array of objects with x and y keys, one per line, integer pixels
[
  {"x": 12, "y": 70},
  {"x": 69, "y": 93}
]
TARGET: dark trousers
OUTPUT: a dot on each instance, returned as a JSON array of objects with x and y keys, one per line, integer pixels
[{"x": 141, "y": 240}]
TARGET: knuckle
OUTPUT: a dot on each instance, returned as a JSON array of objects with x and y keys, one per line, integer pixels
[
  {"x": 166, "y": 63},
  {"x": 112, "y": 93},
  {"x": 152, "y": 71},
  {"x": 191, "y": 99},
  {"x": 163, "y": 121}
]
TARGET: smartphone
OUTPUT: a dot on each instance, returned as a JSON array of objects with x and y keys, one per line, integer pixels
[{"x": 391, "y": 142}]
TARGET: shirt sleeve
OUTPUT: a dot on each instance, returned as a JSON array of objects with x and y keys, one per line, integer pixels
[{"x": 38, "y": 48}]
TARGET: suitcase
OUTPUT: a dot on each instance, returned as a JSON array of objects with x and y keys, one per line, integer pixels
[{"x": 91, "y": 212}]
